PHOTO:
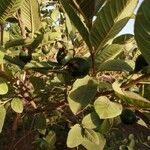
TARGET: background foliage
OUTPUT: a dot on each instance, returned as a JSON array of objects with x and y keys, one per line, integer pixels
[{"x": 68, "y": 81}]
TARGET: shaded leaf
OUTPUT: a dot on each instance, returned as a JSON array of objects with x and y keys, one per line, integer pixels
[
  {"x": 115, "y": 65},
  {"x": 17, "y": 105},
  {"x": 87, "y": 7},
  {"x": 98, "y": 5},
  {"x": 107, "y": 109},
  {"x": 8, "y": 8},
  {"x": 51, "y": 138},
  {"x": 82, "y": 93},
  {"x": 142, "y": 29},
  {"x": 75, "y": 137},
  {"x": 123, "y": 39},
  {"x": 108, "y": 53},
  {"x": 105, "y": 126},
  {"x": 76, "y": 21},
  {"x": 40, "y": 121}
]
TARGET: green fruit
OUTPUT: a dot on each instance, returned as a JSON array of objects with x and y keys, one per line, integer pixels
[
  {"x": 78, "y": 67},
  {"x": 128, "y": 116},
  {"x": 63, "y": 56},
  {"x": 25, "y": 56},
  {"x": 140, "y": 63},
  {"x": 45, "y": 50}
]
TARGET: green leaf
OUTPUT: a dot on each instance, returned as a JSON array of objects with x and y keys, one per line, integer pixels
[
  {"x": 38, "y": 84},
  {"x": 92, "y": 146},
  {"x": 30, "y": 15},
  {"x": 2, "y": 117},
  {"x": 104, "y": 86},
  {"x": 1, "y": 57},
  {"x": 76, "y": 21},
  {"x": 40, "y": 121},
  {"x": 3, "y": 86},
  {"x": 82, "y": 93},
  {"x": 55, "y": 14},
  {"x": 17, "y": 105},
  {"x": 18, "y": 42},
  {"x": 110, "y": 20},
  {"x": 91, "y": 135},
  {"x": 98, "y": 5},
  {"x": 108, "y": 53},
  {"x": 51, "y": 138},
  {"x": 75, "y": 137},
  {"x": 91, "y": 121},
  {"x": 123, "y": 39},
  {"x": 107, "y": 109},
  {"x": 142, "y": 29},
  {"x": 115, "y": 65},
  {"x": 8, "y": 8},
  {"x": 87, "y": 7},
  {"x": 131, "y": 97},
  {"x": 105, "y": 126}
]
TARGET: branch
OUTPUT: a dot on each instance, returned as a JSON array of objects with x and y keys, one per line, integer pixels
[{"x": 126, "y": 86}]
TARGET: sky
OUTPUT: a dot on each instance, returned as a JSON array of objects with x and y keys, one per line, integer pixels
[{"x": 129, "y": 28}]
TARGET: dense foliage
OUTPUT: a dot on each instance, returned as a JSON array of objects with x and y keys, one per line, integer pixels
[{"x": 68, "y": 81}]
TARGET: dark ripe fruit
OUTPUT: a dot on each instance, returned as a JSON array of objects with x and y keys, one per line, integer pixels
[
  {"x": 25, "y": 56},
  {"x": 63, "y": 56},
  {"x": 128, "y": 116},
  {"x": 45, "y": 50},
  {"x": 140, "y": 63},
  {"x": 78, "y": 67}
]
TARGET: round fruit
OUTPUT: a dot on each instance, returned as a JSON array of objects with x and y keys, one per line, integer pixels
[
  {"x": 78, "y": 67},
  {"x": 140, "y": 63},
  {"x": 25, "y": 56},
  {"x": 63, "y": 56},
  {"x": 128, "y": 116}
]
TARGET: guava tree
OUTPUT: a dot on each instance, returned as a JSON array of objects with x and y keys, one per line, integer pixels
[{"x": 67, "y": 80}]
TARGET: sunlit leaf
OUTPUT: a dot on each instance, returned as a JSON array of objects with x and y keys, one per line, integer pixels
[
  {"x": 17, "y": 105},
  {"x": 131, "y": 97},
  {"x": 107, "y": 109},
  {"x": 91, "y": 121},
  {"x": 2, "y": 117},
  {"x": 3, "y": 86},
  {"x": 91, "y": 135},
  {"x": 30, "y": 14},
  {"x": 110, "y": 20},
  {"x": 92, "y": 146},
  {"x": 75, "y": 137}
]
